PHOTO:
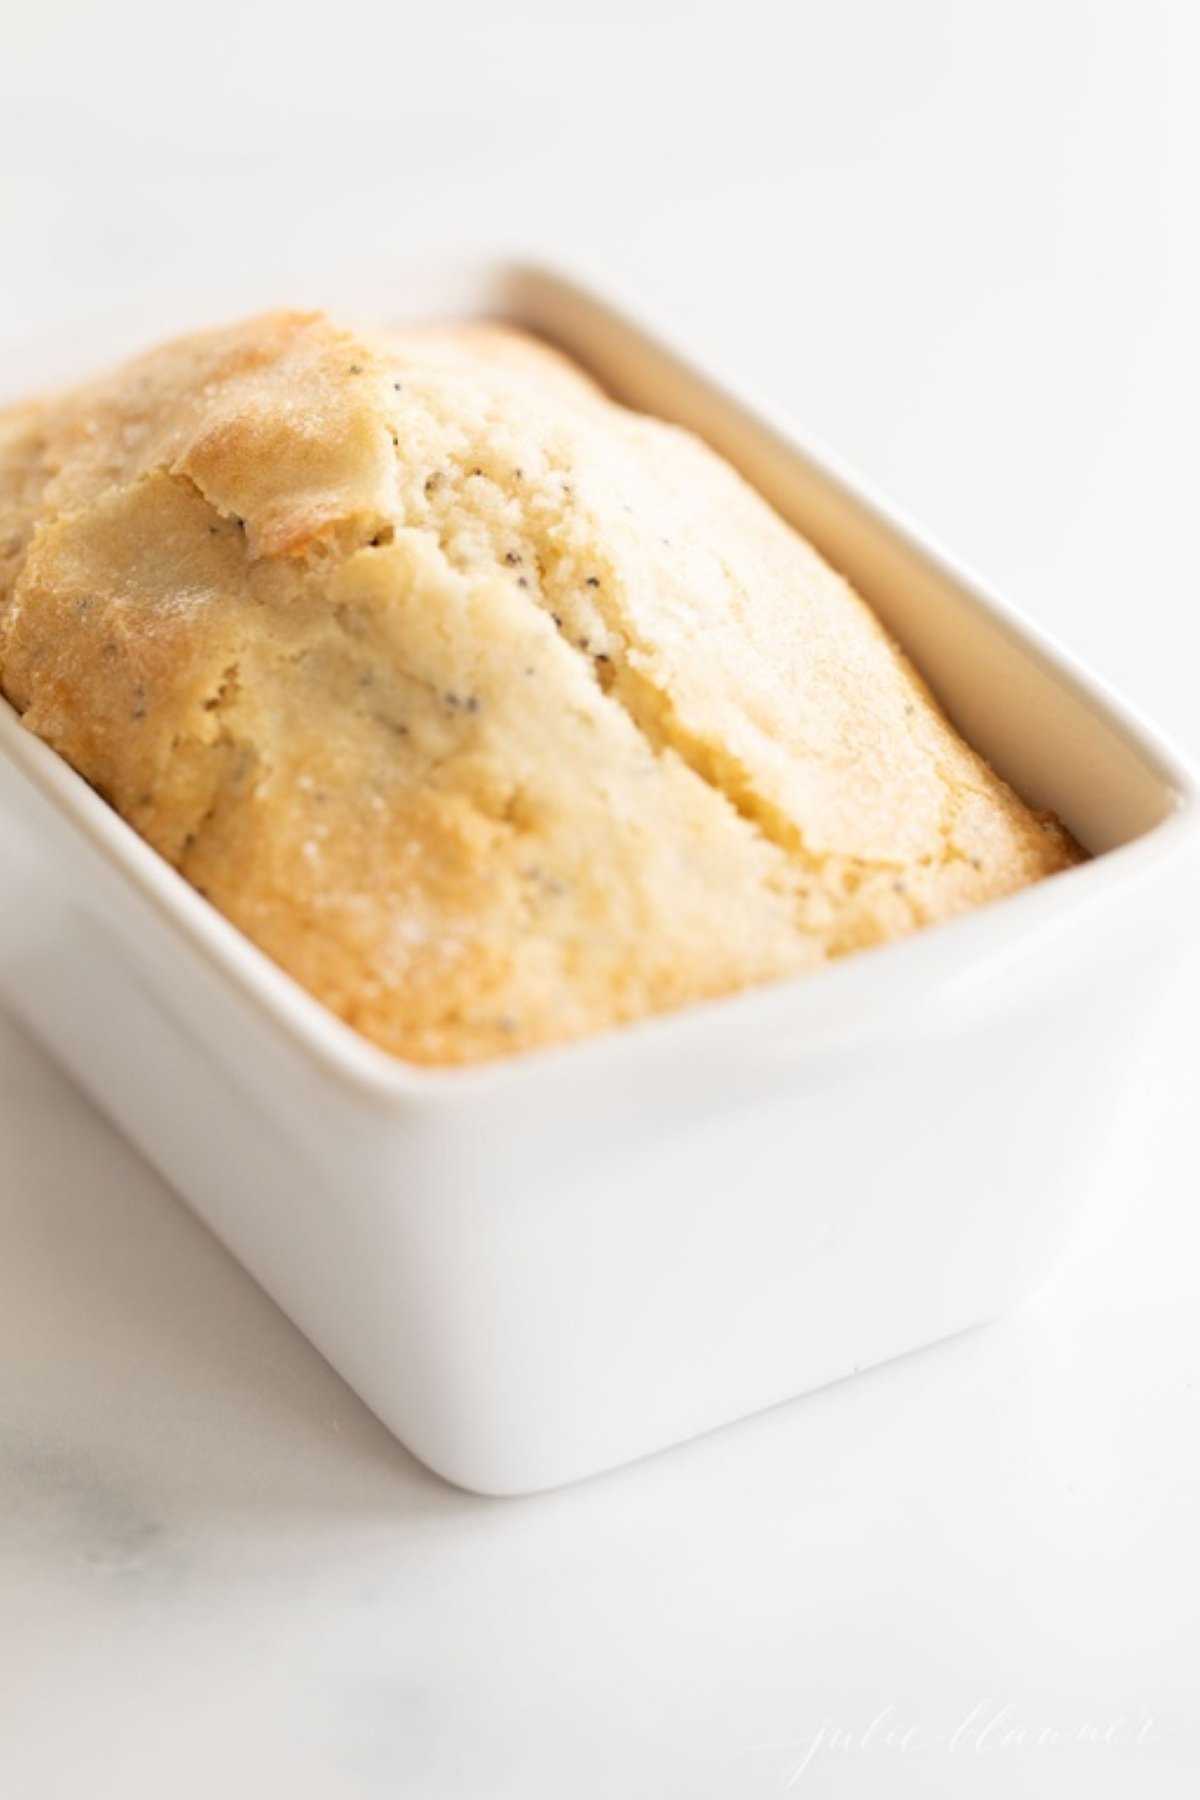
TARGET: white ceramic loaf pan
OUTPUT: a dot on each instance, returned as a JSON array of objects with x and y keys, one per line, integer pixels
[{"x": 540, "y": 1268}]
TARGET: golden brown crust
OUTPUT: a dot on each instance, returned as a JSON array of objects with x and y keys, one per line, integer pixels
[{"x": 495, "y": 713}]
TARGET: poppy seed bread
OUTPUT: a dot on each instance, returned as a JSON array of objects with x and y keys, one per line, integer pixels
[{"x": 494, "y": 712}]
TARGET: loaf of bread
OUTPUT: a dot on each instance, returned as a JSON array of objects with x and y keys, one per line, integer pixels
[{"x": 495, "y": 713}]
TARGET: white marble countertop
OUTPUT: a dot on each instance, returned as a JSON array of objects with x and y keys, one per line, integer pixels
[{"x": 959, "y": 244}]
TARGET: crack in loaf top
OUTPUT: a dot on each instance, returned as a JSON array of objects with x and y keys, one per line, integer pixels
[{"x": 493, "y": 711}]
